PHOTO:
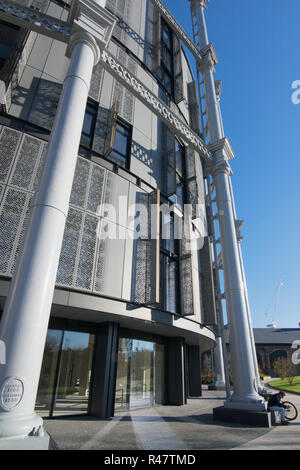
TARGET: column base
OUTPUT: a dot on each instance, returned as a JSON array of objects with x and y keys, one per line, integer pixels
[
  {"x": 26, "y": 443},
  {"x": 20, "y": 426},
  {"x": 234, "y": 415},
  {"x": 248, "y": 403},
  {"x": 220, "y": 385}
]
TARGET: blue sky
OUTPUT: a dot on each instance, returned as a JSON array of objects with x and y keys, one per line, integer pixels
[{"x": 258, "y": 47}]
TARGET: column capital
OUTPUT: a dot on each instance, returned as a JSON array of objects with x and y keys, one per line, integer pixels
[
  {"x": 202, "y": 3},
  {"x": 222, "y": 153},
  {"x": 86, "y": 38},
  {"x": 209, "y": 57},
  {"x": 91, "y": 17},
  {"x": 222, "y": 146}
]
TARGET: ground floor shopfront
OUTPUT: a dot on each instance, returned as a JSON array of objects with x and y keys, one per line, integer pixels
[{"x": 102, "y": 369}]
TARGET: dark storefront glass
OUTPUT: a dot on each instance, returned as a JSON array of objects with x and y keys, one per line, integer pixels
[
  {"x": 65, "y": 374},
  {"x": 140, "y": 374}
]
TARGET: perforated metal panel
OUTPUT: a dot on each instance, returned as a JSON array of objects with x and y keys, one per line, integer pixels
[
  {"x": 145, "y": 283},
  {"x": 39, "y": 165},
  {"x": 186, "y": 285},
  {"x": 88, "y": 260},
  {"x": 21, "y": 232},
  {"x": 100, "y": 266},
  {"x": 27, "y": 163},
  {"x": 70, "y": 247},
  {"x": 120, "y": 93},
  {"x": 96, "y": 82},
  {"x": 9, "y": 141},
  {"x": 12, "y": 213},
  {"x": 140, "y": 286},
  {"x": 1, "y": 191},
  {"x": 96, "y": 189},
  {"x": 186, "y": 274},
  {"x": 85, "y": 268},
  {"x": 80, "y": 183}
]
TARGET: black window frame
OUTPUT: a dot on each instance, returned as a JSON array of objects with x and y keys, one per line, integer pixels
[
  {"x": 85, "y": 149},
  {"x": 127, "y": 156},
  {"x": 179, "y": 175},
  {"x": 164, "y": 69}
]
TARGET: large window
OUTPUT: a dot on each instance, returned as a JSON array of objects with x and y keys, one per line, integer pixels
[
  {"x": 122, "y": 145},
  {"x": 166, "y": 58},
  {"x": 8, "y": 39},
  {"x": 176, "y": 175},
  {"x": 116, "y": 135},
  {"x": 169, "y": 265},
  {"x": 88, "y": 129},
  {"x": 66, "y": 372}
]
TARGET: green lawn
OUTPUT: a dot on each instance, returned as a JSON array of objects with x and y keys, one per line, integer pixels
[{"x": 284, "y": 385}]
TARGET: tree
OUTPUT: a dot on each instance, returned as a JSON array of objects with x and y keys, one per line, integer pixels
[{"x": 285, "y": 369}]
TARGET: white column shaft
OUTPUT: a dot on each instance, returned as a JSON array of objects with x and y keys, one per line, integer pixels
[
  {"x": 27, "y": 309},
  {"x": 220, "y": 375},
  {"x": 240, "y": 344}
]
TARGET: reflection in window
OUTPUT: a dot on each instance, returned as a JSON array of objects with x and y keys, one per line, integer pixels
[
  {"x": 9, "y": 35},
  {"x": 166, "y": 69},
  {"x": 88, "y": 129},
  {"x": 169, "y": 264},
  {"x": 140, "y": 374},
  {"x": 65, "y": 374},
  {"x": 121, "y": 151},
  {"x": 176, "y": 175},
  {"x": 4, "y": 53}
]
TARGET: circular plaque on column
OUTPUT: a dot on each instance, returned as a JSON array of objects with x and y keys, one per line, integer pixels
[{"x": 11, "y": 393}]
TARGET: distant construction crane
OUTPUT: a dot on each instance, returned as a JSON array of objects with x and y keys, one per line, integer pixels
[{"x": 272, "y": 321}]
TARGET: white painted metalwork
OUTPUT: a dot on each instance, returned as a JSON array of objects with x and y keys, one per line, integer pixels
[
  {"x": 243, "y": 363},
  {"x": 34, "y": 20},
  {"x": 156, "y": 105}
]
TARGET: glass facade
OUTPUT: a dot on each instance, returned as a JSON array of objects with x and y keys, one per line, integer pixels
[
  {"x": 65, "y": 374},
  {"x": 140, "y": 374}
]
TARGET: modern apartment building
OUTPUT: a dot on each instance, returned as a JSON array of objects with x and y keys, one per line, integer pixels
[
  {"x": 100, "y": 123},
  {"x": 113, "y": 343}
]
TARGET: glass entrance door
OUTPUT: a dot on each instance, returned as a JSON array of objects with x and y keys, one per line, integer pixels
[
  {"x": 141, "y": 377},
  {"x": 140, "y": 374}
]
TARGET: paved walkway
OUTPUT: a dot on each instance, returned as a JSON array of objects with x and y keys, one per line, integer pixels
[{"x": 189, "y": 427}]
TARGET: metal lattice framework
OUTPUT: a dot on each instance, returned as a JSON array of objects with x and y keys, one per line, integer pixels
[{"x": 34, "y": 20}]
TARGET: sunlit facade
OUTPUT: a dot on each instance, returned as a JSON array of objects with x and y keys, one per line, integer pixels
[{"x": 130, "y": 317}]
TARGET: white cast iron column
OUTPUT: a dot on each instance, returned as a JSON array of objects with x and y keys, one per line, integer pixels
[
  {"x": 27, "y": 309},
  {"x": 245, "y": 395},
  {"x": 219, "y": 361}
]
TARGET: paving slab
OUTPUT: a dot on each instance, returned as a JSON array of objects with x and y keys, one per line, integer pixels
[{"x": 188, "y": 427}]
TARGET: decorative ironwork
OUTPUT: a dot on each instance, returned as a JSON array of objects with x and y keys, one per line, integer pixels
[
  {"x": 155, "y": 104},
  {"x": 32, "y": 19}
]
